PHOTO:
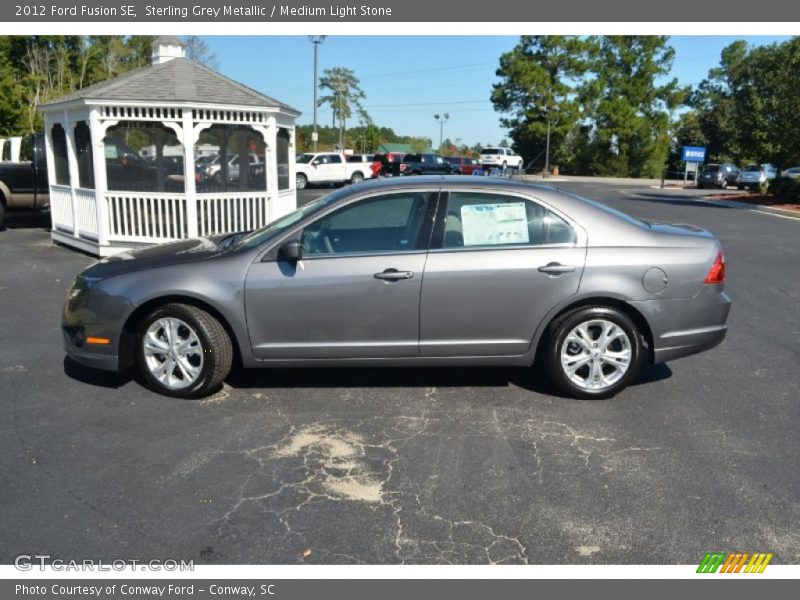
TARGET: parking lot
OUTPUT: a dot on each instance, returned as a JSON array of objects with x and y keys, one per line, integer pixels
[{"x": 411, "y": 465}]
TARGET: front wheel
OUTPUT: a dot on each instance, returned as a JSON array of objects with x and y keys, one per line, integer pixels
[
  {"x": 183, "y": 351},
  {"x": 593, "y": 352},
  {"x": 301, "y": 181},
  {"x": 2, "y": 212}
]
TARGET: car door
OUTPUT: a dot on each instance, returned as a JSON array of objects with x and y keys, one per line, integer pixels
[
  {"x": 355, "y": 292},
  {"x": 498, "y": 264}
]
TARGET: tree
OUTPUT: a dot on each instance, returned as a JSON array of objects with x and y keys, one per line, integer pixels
[
  {"x": 345, "y": 95},
  {"x": 198, "y": 51},
  {"x": 538, "y": 91},
  {"x": 630, "y": 112}
]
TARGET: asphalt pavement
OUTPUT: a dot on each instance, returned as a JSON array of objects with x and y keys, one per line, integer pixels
[{"x": 411, "y": 465}]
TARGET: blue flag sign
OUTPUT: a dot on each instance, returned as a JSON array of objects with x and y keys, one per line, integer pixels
[{"x": 693, "y": 154}]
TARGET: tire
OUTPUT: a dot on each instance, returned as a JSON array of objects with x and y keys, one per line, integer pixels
[
  {"x": 301, "y": 181},
  {"x": 627, "y": 352},
  {"x": 356, "y": 177},
  {"x": 2, "y": 210},
  {"x": 211, "y": 354}
]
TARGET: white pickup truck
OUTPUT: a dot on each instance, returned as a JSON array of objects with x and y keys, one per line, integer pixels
[{"x": 329, "y": 167}]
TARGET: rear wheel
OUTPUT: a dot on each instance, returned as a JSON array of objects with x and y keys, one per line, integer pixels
[
  {"x": 301, "y": 181},
  {"x": 593, "y": 352},
  {"x": 357, "y": 177},
  {"x": 183, "y": 351}
]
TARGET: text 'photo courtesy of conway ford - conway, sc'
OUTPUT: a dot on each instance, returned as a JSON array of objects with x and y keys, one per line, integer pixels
[{"x": 424, "y": 271}]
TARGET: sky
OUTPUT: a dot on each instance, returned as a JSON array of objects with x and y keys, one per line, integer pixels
[{"x": 408, "y": 79}]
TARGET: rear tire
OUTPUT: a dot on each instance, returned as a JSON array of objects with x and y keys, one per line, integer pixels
[
  {"x": 593, "y": 352},
  {"x": 183, "y": 351},
  {"x": 301, "y": 181},
  {"x": 356, "y": 177}
]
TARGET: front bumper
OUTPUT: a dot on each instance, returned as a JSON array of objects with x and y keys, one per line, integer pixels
[{"x": 682, "y": 327}]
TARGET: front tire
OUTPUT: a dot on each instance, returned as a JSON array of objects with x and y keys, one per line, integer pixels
[
  {"x": 593, "y": 352},
  {"x": 2, "y": 211},
  {"x": 301, "y": 181},
  {"x": 183, "y": 351}
]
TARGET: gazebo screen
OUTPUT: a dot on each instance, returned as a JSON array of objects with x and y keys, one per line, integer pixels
[
  {"x": 60, "y": 160},
  {"x": 143, "y": 157},
  {"x": 223, "y": 172},
  {"x": 83, "y": 152},
  {"x": 282, "y": 156}
]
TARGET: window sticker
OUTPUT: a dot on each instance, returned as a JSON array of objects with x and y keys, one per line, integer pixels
[
  {"x": 111, "y": 151},
  {"x": 494, "y": 224}
]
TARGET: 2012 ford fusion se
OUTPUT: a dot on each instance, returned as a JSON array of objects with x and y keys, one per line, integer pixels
[{"x": 421, "y": 271}]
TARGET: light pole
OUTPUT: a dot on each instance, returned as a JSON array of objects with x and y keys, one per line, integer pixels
[
  {"x": 316, "y": 40},
  {"x": 442, "y": 119}
]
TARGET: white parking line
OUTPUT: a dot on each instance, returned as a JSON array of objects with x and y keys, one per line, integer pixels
[{"x": 761, "y": 212}]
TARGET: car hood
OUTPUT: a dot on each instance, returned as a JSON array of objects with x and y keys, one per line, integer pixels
[{"x": 184, "y": 251}]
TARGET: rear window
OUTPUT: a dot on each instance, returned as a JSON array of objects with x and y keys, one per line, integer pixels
[
  {"x": 711, "y": 169},
  {"x": 751, "y": 168},
  {"x": 491, "y": 151}
]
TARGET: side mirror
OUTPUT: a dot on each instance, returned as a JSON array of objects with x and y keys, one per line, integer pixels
[
  {"x": 314, "y": 163},
  {"x": 292, "y": 251}
]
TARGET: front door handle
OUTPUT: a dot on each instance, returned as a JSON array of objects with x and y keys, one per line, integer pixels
[
  {"x": 555, "y": 268},
  {"x": 394, "y": 275}
]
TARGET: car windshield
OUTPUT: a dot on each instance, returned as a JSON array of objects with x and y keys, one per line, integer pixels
[
  {"x": 304, "y": 158},
  {"x": 259, "y": 236},
  {"x": 751, "y": 169}
]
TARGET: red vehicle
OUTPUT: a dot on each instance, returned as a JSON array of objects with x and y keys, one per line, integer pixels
[
  {"x": 464, "y": 165},
  {"x": 383, "y": 163}
]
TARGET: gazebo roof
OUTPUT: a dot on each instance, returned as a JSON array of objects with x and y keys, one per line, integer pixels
[{"x": 177, "y": 80}]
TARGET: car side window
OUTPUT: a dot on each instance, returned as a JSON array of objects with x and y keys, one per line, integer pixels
[
  {"x": 334, "y": 159},
  {"x": 476, "y": 219},
  {"x": 387, "y": 223}
]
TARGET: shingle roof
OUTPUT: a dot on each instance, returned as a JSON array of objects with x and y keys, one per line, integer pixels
[{"x": 177, "y": 80}]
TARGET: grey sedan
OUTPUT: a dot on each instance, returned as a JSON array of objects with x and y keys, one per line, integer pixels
[{"x": 420, "y": 271}]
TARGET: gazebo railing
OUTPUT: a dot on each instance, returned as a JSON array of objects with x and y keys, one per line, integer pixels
[
  {"x": 86, "y": 213},
  {"x": 61, "y": 208},
  {"x": 146, "y": 218},
  {"x": 227, "y": 213}
]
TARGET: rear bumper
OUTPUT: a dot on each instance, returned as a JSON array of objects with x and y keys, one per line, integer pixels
[{"x": 686, "y": 326}]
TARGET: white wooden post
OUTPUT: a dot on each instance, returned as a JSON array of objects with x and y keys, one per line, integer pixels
[
  {"x": 292, "y": 163},
  {"x": 271, "y": 166},
  {"x": 97, "y": 129},
  {"x": 188, "y": 138},
  {"x": 51, "y": 163},
  {"x": 72, "y": 166}
]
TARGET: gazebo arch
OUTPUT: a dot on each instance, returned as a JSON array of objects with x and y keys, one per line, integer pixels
[{"x": 132, "y": 160}]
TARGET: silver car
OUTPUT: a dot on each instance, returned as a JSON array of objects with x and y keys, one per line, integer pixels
[
  {"x": 753, "y": 176},
  {"x": 422, "y": 271}
]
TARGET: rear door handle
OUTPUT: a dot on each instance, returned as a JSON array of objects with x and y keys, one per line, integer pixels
[
  {"x": 555, "y": 268},
  {"x": 394, "y": 275}
]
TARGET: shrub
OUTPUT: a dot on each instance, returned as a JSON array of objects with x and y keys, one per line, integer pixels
[{"x": 786, "y": 188}]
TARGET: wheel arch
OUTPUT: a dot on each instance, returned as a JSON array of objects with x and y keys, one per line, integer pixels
[
  {"x": 127, "y": 338},
  {"x": 611, "y": 302}
]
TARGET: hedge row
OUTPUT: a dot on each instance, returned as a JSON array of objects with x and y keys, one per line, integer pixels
[{"x": 785, "y": 188}]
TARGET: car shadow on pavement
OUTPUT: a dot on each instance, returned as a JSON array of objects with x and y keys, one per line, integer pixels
[
  {"x": 534, "y": 380},
  {"x": 31, "y": 219},
  {"x": 94, "y": 377}
]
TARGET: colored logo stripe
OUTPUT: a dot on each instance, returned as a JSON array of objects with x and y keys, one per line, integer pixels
[{"x": 734, "y": 562}]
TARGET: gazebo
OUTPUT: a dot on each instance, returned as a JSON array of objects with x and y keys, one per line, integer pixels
[{"x": 170, "y": 151}]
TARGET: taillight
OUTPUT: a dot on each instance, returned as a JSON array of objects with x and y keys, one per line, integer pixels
[{"x": 716, "y": 274}]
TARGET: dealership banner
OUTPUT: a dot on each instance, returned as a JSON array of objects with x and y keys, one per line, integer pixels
[
  {"x": 405, "y": 589},
  {"x": 309, "y": 11}
]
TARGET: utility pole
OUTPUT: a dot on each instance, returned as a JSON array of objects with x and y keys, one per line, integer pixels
[
  {"x": 442, "y": 119},
  {"x": 316, "y": 40}
]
